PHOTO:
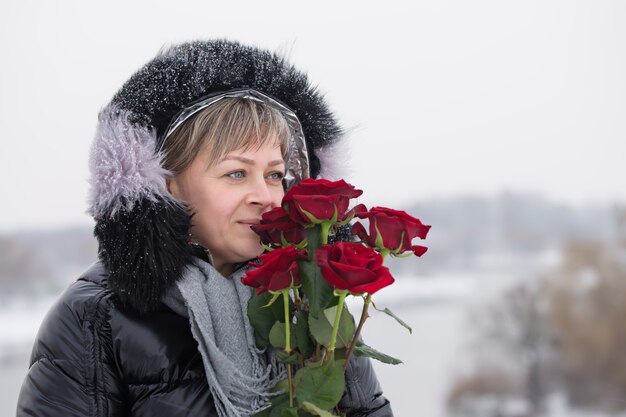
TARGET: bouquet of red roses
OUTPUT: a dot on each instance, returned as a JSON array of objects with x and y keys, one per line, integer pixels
[{"x": 310, "y": 327}]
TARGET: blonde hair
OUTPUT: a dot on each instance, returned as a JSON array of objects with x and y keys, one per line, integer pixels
[{"x": 223, "y": 127}]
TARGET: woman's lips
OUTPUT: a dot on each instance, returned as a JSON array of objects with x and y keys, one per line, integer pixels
[{"x": 250, "y": 222}]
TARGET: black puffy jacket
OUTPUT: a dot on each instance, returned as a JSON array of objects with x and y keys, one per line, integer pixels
[{"x": 94, "y": 358}]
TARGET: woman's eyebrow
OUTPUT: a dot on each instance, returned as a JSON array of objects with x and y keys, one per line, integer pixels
[{"x": 250, "y": 161}]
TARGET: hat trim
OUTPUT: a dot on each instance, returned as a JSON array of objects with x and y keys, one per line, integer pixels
[{"x": 124, "y": 166}]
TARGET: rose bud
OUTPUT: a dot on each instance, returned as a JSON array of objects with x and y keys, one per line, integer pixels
[{"x": 391, "y": 230}]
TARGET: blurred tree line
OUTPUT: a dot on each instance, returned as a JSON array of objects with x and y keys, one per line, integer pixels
[
  {"x": 504, "y": 231},
  {"x": 562, "y": 335},
  {"x": 468, "y": 233}
]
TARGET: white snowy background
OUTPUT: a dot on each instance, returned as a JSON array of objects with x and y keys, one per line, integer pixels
[{"x": 440, "y": 99}]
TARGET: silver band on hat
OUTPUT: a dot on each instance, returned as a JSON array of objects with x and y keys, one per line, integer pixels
[{"x": 297, "y": 158}]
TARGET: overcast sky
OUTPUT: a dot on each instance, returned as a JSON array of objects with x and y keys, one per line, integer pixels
[{"x": 441, "y": 98}]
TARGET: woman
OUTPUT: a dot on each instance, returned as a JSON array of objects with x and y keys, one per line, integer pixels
[{"x": 189, "y": 153}]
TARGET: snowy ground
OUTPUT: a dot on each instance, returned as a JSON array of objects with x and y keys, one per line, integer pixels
[{"x": 435, "y": 307}]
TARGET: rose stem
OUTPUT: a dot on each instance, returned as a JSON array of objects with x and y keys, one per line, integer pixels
[
  {"x": 290, "y": 382},
  {"x": 325, "y": 231},
  {"x": 357, "y": 333},
  {"x": 333, "y": 337},
  {"x": 298, "y": 300},
  {"x": 288, "y": 342}
]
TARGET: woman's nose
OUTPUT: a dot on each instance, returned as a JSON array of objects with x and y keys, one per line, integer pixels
[{"x": 261, "y": 193}]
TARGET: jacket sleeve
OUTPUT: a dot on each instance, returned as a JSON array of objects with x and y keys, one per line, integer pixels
[
  {"x": 72, "y": 371},
  {"x": 363, "y": 396}
]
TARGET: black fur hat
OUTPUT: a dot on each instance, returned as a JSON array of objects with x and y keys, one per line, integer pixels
[{"x": 141, "y": 229}]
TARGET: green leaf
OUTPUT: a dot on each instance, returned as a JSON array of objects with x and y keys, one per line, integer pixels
[
  {"x": 264, "y": 413},
  {"x": 303, "y": 339},
  {"x": 279, "y": 406},
  {"x": 285, "y": 357},
  {"x": 277, "y": 336},
  {"x": 346, "y": 325},
  {"x": 263, "y": 318},
  {"x": 322, "y": 385},
  {"x": 318, "y": 293},
  {"x": 282, "y": 385},
  {"x": 361, "y": 349},
  {"x": 398, "y": 319},
  {"x": 278, "y": 309},
  {"x": 290, "y": 412},
  {"x": 314, "y": 237},
  {"x": 278, "y": 402},
  {"x": 322, "y": 327},
  {"x": 340, "y": 354},
  {"x": 312, "y": 408}
]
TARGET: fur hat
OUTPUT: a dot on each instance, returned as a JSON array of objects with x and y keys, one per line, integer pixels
[{"x": 141, "y": 229}]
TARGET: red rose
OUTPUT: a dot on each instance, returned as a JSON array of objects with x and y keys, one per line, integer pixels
[
  {"x": 391, "y": 229},
  {"x": 278, "y": 270},
  {"x": 276, "y": 226},
  {"x": 353, "y": 267},
  {"x": 313, "y": 201}
]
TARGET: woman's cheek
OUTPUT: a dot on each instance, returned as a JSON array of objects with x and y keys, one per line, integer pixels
[{"x": 278, "y": 198}]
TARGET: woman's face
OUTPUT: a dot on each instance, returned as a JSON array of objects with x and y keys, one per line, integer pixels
[{"x": 228, "y": 197}]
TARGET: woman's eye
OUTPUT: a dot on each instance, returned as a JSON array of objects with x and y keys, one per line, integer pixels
[
  {"x": 278, "y": 176},
  {"x": 236, "y": 175}
]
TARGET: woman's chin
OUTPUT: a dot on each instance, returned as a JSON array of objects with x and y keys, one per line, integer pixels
[
  {"x": 251, "y": 249},
  {"x": 256, "y": 251}
]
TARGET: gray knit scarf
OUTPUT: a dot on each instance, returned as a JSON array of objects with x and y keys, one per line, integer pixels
[{"x": 239, "y": 375}]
